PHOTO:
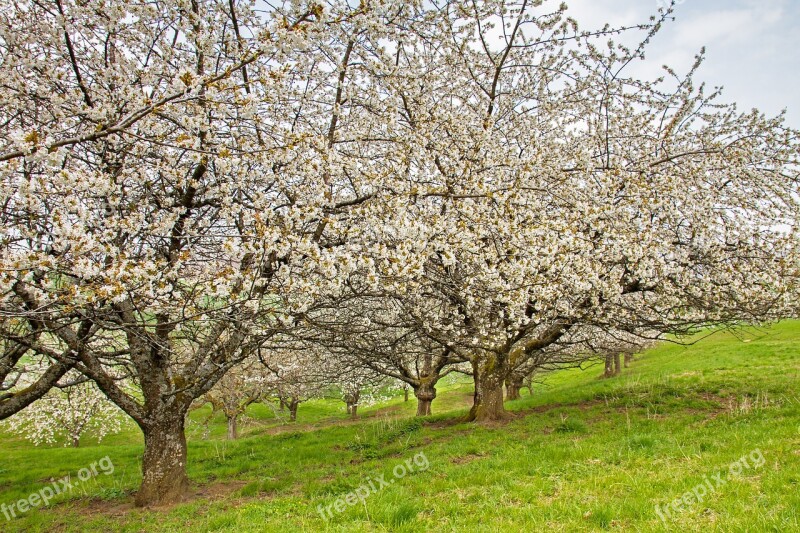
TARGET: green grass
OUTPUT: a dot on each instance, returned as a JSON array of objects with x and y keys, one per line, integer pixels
[{"x": 582, "y": 454}]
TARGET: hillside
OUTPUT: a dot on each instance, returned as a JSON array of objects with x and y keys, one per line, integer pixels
[{"x": 719, "y": 420}]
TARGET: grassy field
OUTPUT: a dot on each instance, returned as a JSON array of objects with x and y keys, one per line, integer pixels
[{"x": 718, "y": 420}]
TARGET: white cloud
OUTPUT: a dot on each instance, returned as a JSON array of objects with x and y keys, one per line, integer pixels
[{"x": 728, "y": 27}]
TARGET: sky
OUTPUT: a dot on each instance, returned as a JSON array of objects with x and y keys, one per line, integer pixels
[{"x": 752, "y": 47}]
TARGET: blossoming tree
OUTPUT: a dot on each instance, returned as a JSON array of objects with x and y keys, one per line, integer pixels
[
  {"x": 67, "y": 413},
  {"x": 239, "y": 388},
  {"x": 184, "y": 180},
  {"x": 564, "y": 194},
  {"x": 176, "y": 180}
]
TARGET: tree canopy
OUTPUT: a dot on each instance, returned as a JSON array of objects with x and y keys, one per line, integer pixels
[{"x": 186, "y": 182}]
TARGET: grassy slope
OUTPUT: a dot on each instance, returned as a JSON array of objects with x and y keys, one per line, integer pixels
[{"x": 588, "y": 454}]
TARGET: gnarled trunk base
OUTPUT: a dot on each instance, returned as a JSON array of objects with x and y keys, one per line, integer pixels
[
  {"x": 514, "y": 384},
  {"x": 512, "y": 392},
  {"x": 425, "y": 395},
  {"x": 489, "y": 408},
  {"x": 164, "y": 478},
  {"x": 423, "y": 407},
  {"x": 489, "y": 375}
]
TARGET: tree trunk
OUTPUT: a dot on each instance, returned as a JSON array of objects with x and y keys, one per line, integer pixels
[
  {"x": 164, "y": 478},
  {"x": 512, "y": 392},
  {"x": 233, "y": 428},
  {"x": 282, "y": 406},
  {"x": 489, "y": 374},
  {"x": 514, "y": 384},
  {"x": 628, "y": 359},
  {"x": 609, "y": 369},
  {"x": 76, "y": 442},
  {"x": 617, "y": 365},
  {"x": 293, "y": 410},
  {"x": 351, "y": 399},
  {"x": 405, "y": 394},
  {"x": 425, "y": 395}
]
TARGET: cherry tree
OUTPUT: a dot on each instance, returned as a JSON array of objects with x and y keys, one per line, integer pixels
[
  {"x": 178, "y": 179},
  {"x": 582, "y": 346},
  {"x": 375, "y": 334},
  {"x": 293, "y": 376},
  {"x": 66, "y": 413},
  {"x": 359, "y": 385},
  {"x": 184, "y": 181},
  {"x": 618, "y": 348},
  {"x": 305, "y": 364},
  {"x": 239, "y": 388},
  {"x": 564, "y": 194}
]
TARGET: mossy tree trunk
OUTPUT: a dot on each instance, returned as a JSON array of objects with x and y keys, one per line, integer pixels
[
  {"x": 514, "y": 383},
  {"x": 489, "y": 373}
]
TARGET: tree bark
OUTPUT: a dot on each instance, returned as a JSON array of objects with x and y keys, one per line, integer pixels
[
  {"x": 425, "y": 395},
  {"x": 164, "y": 478},
  {"x": 514, "y": 383},
  {"x": 76, "y": 442},
  {"x": 628, "y": 359},
  {"x": 12, "y": 403},
  {"x": 351, "y": 399},
  {"x": 293, "y": 410},
  {"x": 609, "y": 367},
  {"x": 617, "y": 364},
  {"x": 405, "y": 394},
  {"x": 489, "y": 374},
  {"x": 233, "y": 427}
]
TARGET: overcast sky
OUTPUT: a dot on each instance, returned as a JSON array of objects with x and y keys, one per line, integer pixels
[{"x": 751, "y": 46}]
